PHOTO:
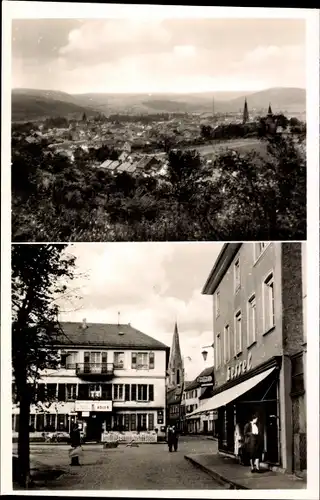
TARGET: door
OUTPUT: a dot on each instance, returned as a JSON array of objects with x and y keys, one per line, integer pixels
[
  {"x": 94, "y": 428},
  {"x": 205, "y": 427}
]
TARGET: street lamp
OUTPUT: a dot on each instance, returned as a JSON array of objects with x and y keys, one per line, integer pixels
[{"x": 204, "y": 352}]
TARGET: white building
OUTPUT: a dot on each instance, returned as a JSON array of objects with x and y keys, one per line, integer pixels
[{"x": 110, "y": 377}]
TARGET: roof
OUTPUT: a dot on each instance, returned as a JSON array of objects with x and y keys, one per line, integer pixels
[
  {"x": 107, "y": 335},
  {"x": 124, "y": 167},
  {"x": 194, "y": 384},
  {"x": 106, "y": 164}
]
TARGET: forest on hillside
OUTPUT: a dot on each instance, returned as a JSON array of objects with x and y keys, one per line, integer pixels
[{"x": 238, "y": 197}]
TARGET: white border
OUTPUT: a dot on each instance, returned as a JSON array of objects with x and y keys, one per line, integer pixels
[{"x": 34, "y": 10}]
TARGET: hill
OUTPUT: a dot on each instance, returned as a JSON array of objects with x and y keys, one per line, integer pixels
[
  {"x": 34, "y": 104},
  {"x": 28, "y": 104}
]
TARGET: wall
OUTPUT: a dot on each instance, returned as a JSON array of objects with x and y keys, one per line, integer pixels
[{"x": 252, "y": 274}]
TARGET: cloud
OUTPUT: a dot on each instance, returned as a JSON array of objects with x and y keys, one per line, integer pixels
[{"x": 147, "y": 284}]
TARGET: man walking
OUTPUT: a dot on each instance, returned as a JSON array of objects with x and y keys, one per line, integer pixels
[{"x": 75, "y": 440}]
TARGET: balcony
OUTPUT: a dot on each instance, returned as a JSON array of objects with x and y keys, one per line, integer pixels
[{"x": 94, "y": 370}]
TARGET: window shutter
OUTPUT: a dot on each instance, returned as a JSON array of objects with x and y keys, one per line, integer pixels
[
  {"x": 134, "y": 392},
  {"x": 133, "y": 360},
  {"x": 151, "y": 395},
  {"x": 151, "y": 360},
  {"x": 83, "y": 392},
  {"x": 127, "y": 392}
]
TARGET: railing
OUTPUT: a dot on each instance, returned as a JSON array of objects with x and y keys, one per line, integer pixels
[{"x": 94, "y": 369}]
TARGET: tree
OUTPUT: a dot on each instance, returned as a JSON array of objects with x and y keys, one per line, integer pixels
[{"x": 39, "y": 275}]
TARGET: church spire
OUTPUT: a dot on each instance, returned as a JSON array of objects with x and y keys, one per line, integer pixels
[
  {"x": 175, "y": 366},
  {"x": 245, "y": 111},
  {"x": 270, "y": 110}
]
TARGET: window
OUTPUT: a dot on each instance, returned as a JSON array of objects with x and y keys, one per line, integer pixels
[
  {"x": 252, "y": 318},
  {"x": 133, "y": 422},
  {"x": 126, "y": 422},
  {"x": 118, "y": 392},
  {"x": 119, "y": 360},
  {"x": 218, "y": 350},
  {"x": 71, "y": 393},
  {"x": 142, "y": 394},
  {"x": 237, "y": 275},
  {"x": 95, "y": 391},
  {"x": 237, "y": 334},
  {"x": 142, "y": 422},
  {"x": 259, "y": 248},
  {"x": 268, "y": 303},
  {"x": 227, "y": 343},
  {"x": 178, "y": 377},
  {"x": 217, "y": 303},
  {"x": 142, "y": 360},
  {"x": 151, "y": 392},
  {"x": 71, "y": 360}
]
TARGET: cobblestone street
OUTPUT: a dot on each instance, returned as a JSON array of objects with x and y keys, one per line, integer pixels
[{"x": 124, "y": 468}]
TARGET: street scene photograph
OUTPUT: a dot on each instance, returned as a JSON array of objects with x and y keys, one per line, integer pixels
[
  {"x": 146, "y": 128},
  {"x": 129, "y": 373}
]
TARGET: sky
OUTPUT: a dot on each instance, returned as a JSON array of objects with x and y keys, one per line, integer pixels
[
  {"x": 158, "y": 55},
  {"x": 152, "y": 285}
]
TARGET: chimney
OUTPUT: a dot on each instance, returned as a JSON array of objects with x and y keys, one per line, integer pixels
[{"x": 84, "y": 324}]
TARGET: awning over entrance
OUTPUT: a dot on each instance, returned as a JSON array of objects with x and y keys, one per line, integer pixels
[{"x": 229, "y": 395}]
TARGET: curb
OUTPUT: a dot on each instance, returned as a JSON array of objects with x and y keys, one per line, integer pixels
[{"x": 216, "y": 476}]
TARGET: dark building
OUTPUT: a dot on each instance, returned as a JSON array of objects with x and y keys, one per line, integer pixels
[{"x": 245, "y": 112}]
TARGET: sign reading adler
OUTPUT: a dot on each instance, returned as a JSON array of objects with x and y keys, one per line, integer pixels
[
  {"x": 240, "y": 368},
  {"x": 102, "y": 406}
]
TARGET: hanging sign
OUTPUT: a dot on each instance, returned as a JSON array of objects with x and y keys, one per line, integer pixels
[
  {"x": 240, "y": 368},
  {"x": 205, "y": 379}
]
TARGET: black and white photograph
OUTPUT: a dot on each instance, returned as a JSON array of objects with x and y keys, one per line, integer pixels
[
  {"x": 158, "y": 129},
  {"x": 159, "y": 251},
  {"x": 125, "y": 385}
]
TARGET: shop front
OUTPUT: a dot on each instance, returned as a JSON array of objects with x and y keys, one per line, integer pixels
[
  {"x": 93, "y": 418},
  {"x": 242, "y": 396}
]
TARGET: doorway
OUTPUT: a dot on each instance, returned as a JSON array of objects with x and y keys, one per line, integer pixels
[
  {"x": 94, "y": 427},
  {"x": 205, "y": 426}
]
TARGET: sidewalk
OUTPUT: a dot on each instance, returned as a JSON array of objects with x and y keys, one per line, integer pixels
[{"x": 227, "y": 472}]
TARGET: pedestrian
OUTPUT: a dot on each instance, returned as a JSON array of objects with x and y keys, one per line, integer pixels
[
  {"x": 253, "y": 443},
  {"x": 175, "y": 438},
  {"x": 75, "y": 441}
]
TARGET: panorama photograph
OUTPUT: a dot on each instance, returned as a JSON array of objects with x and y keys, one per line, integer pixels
[{"x": 158, "y": 129}]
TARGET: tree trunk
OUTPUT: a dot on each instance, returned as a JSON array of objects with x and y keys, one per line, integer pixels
[{"x": 23, "y": 440}]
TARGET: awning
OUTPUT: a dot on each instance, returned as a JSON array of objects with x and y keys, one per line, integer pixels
[{"x": 234, "y": 392}]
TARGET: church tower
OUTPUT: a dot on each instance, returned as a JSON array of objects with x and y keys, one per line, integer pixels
[
  {"x": 270, "y": 110},
  {"x": 245, "y": 112},
  {"x": 175, "y": 366}
]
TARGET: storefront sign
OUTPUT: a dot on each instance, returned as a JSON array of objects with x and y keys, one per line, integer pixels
[
  {"x": 86, "y": 414},
  {"x": 205, "y": 380},
  {"x": 102, "y": 406},
  {"x": 83, "y": 406},
  {"x": 240, "y": 368}
]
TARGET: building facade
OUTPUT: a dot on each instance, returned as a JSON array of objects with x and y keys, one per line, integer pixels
[
  {"x": 110, "y": 378},
  {"x": 260, "y": 344}
]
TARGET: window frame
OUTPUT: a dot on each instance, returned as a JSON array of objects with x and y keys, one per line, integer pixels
[
  {"x": 115, "y": 393},
  {"x": 115, "y": 365},
  {"x": 251, "y": 340},
  {"x": 256, "y": 256},
  {"x": 218, "y": 350},
  {"x": 227, "y": 346},
  {"x": 237, "y": 314},
  {"x": 140, "y": 387},
  {"x": 236, "y": 266},
  {"x": 269, "y": 278}
]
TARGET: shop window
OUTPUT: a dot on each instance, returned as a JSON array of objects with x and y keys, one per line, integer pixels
[
  {"x": 237, "y": 282},
  {"x": 252, "y": 319},
  {"x": 150, "y": 421},
  {"x": 227, "y": 343},
  {"x": 268, "y": 303},
  {"x": 237, "y": 333},
  {"x": 142, "y": 392},
  {"x": 118, "y": 392},
  {"x": 217, "y": 303},
  {"x": 119, "y": 360}
]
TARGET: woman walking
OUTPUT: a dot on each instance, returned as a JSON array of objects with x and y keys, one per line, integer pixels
[{"x": 253, "y": 443}]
